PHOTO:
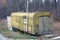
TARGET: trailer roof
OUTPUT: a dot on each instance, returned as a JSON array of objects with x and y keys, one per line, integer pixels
[{"x": 29, "y": 13}]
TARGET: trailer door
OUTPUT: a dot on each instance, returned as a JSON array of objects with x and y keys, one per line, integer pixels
[{"x": 44, "y": 24}]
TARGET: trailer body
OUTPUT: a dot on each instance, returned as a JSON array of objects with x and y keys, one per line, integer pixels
[{"x": 38, "y": 22}]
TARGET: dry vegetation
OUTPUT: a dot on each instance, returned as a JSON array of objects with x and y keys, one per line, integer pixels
[
  {"x": 57, "y": 27},
  {"x": 18, "y": 35},
  {"x": 10, "y": 34}
]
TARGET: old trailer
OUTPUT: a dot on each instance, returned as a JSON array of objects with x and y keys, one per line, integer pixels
[{"x": 37, "y": 22}]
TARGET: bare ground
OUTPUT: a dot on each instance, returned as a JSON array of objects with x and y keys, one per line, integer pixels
[{"x": 56, "y": 27}]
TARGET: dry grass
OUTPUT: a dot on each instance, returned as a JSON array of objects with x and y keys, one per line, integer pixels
[
  {"x": 18, "y": 35},
  {"x": 10, "y": 34},
  {"x": 57, "y": 27}
]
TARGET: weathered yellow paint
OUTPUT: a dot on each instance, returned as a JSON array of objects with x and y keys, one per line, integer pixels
[{"x": 17, "y": 20}]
